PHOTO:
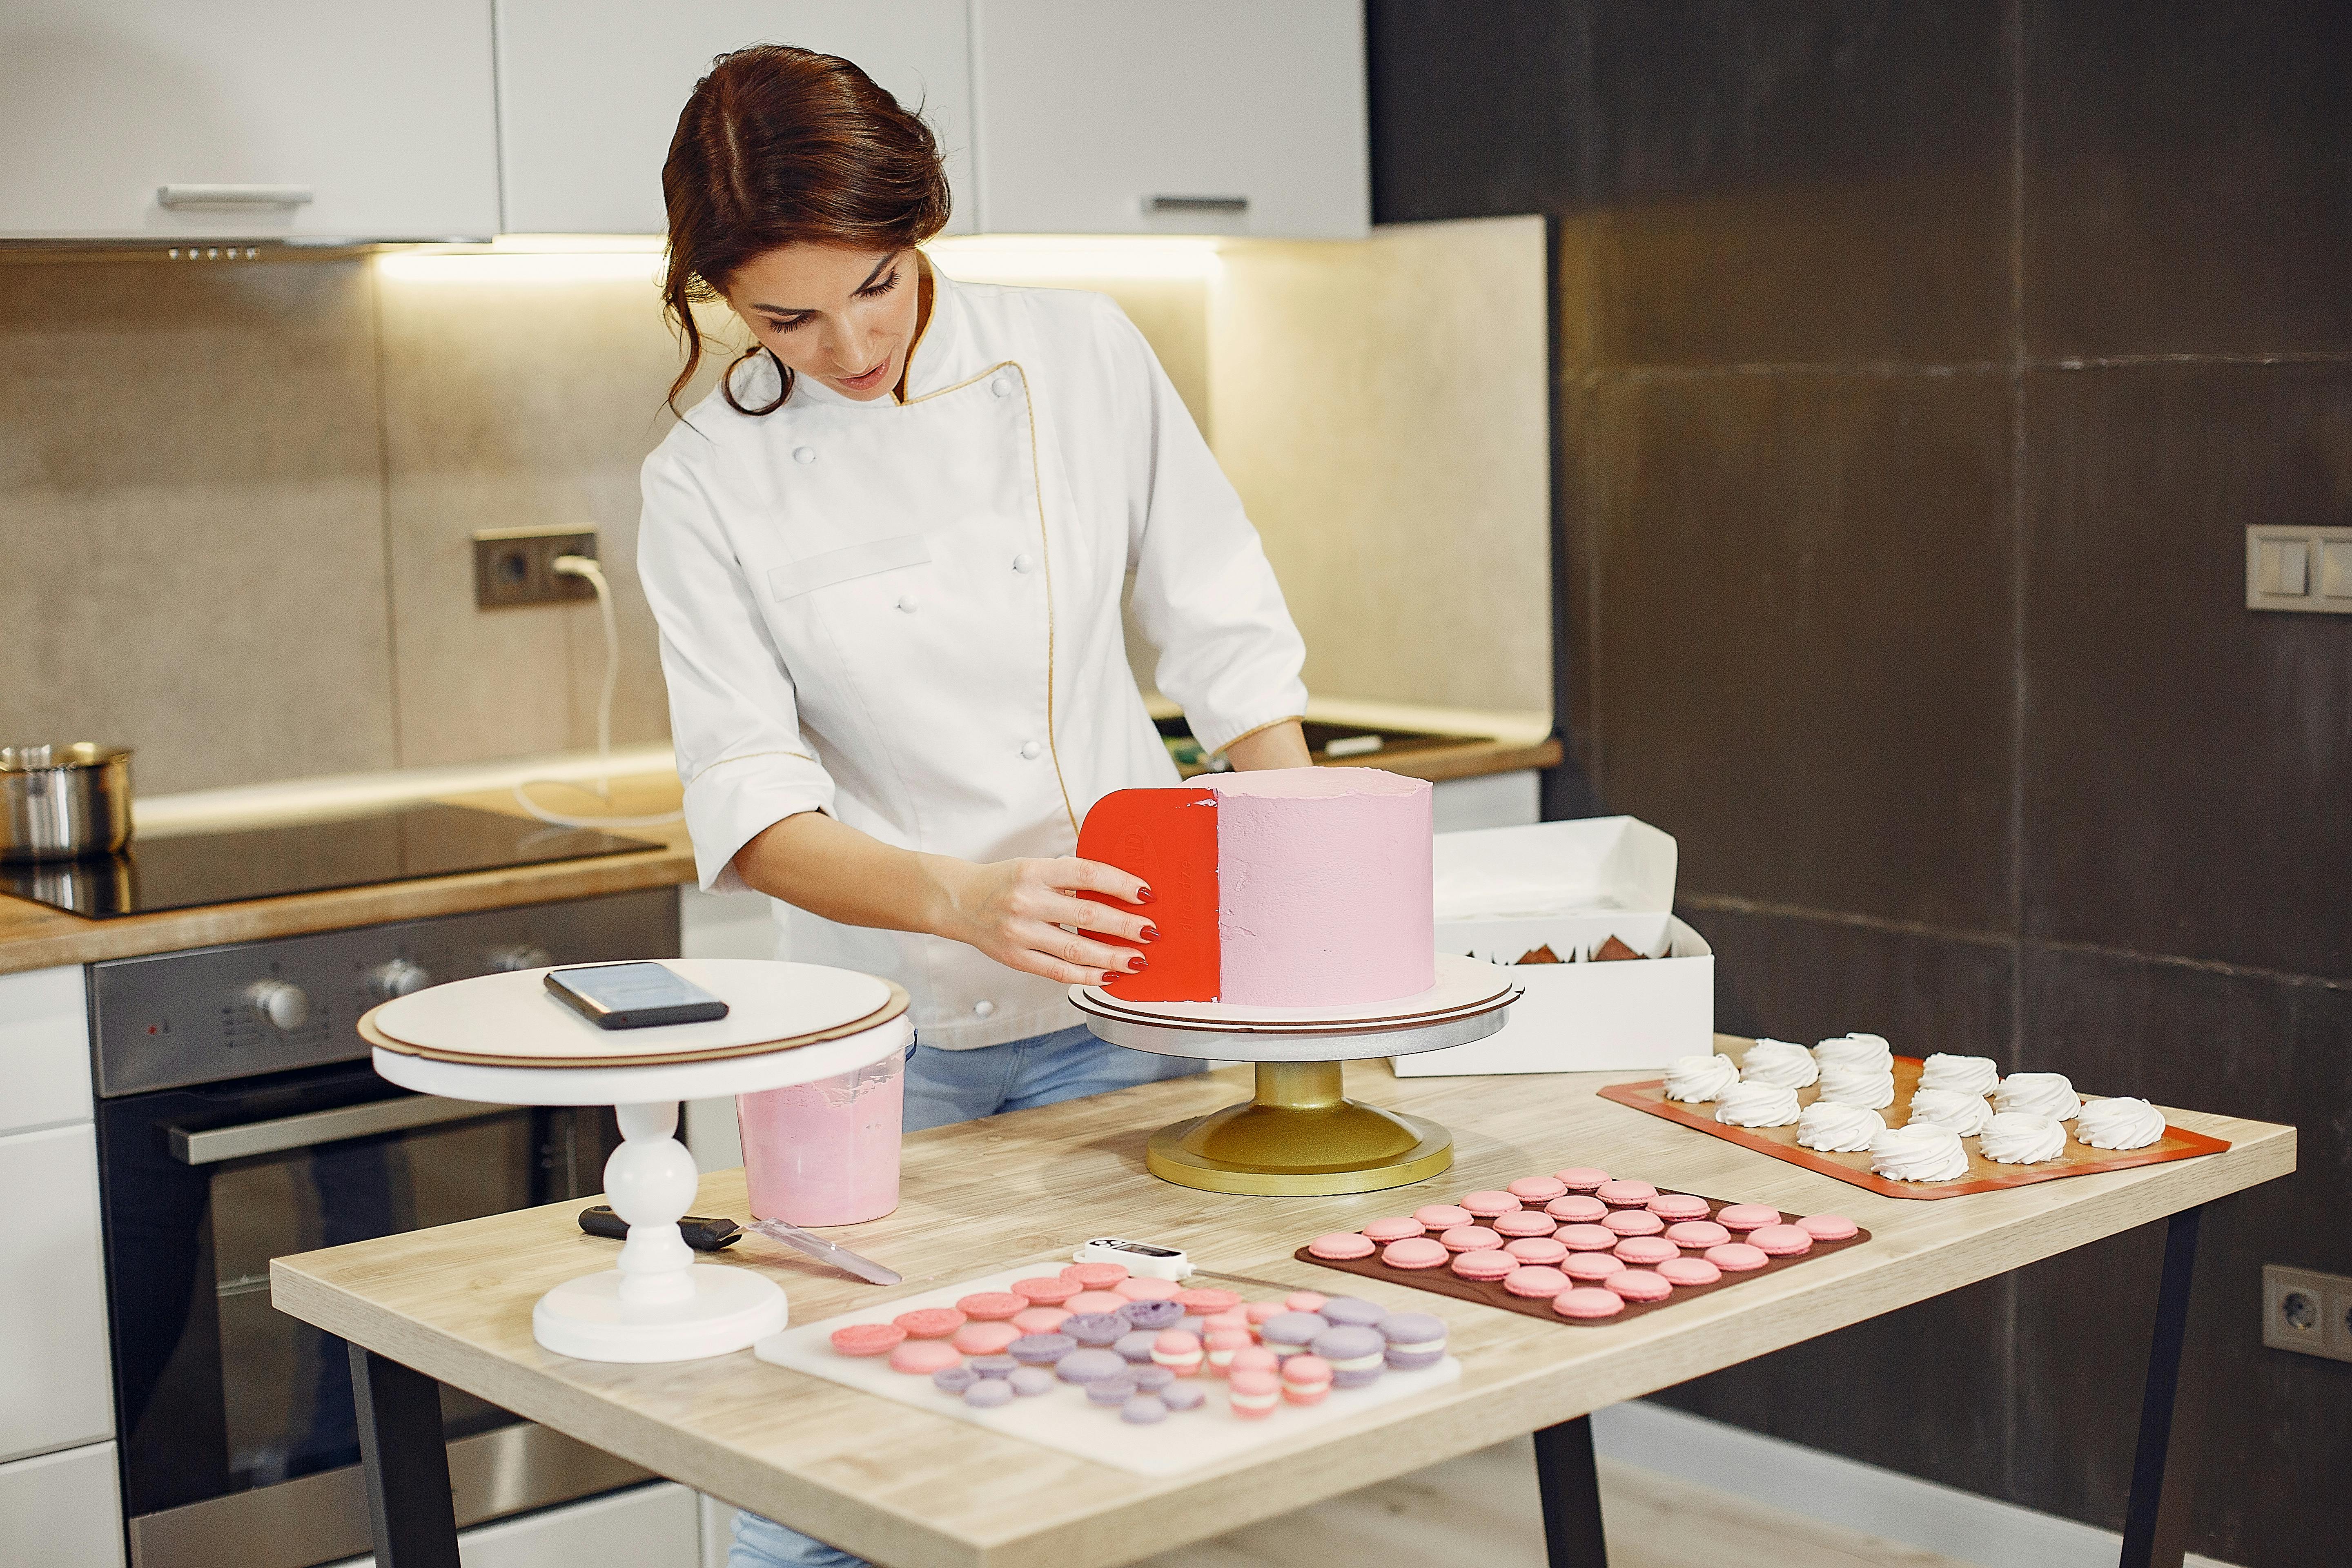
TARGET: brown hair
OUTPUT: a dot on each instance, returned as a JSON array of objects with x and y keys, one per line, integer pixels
[{"x": 779, "y": 145}]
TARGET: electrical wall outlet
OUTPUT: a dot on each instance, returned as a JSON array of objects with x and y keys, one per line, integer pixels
[
  {"x": 2291, "y": 567},
  {"x": 2308, "y": 1311},
  {"x": 517, "y": 567}
]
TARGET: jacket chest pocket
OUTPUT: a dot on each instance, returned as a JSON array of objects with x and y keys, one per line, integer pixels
[{"x": 873, "y": 558}]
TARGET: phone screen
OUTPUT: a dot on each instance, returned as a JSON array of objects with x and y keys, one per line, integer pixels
[{"x": 634, "y": 995}]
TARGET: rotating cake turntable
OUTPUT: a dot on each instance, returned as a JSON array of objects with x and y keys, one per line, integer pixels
[{"x": 1300, "y": 1136}]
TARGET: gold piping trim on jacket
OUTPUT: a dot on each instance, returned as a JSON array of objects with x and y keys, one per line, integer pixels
[
  {"x": 1260, "y": 730},
  {"x": 746, "y": 757}
]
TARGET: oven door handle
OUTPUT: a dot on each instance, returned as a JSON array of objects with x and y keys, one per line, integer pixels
[{"x": 211, "y": 1145}]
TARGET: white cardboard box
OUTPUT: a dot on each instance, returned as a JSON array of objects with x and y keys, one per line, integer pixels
[{"x": 1503, "y": 892}]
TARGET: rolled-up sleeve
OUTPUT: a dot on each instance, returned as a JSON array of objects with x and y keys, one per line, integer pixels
[
  {"x": 734, "y": 716},
  {"x": 1205, "y": 596}
]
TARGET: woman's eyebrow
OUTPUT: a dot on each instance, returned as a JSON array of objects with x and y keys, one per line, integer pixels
[{"x": 806, "y": 310}]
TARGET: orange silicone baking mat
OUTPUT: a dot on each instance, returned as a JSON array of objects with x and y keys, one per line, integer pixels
[{"x": 1984, "y": 1176}]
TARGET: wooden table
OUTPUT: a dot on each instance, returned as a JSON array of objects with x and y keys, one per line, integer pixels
[{"x": 919, "y": 1491}]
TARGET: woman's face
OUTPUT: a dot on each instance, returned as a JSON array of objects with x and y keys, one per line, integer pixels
[{"x": 845, "y": 316}]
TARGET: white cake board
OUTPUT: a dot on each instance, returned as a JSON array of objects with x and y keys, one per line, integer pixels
[
  {"x": 1462, "y": 984},
  {"x": 1186, "y": 1440},
  {"x": 659, "y": 1305}
]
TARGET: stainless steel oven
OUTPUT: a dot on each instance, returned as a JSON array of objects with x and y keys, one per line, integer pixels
[{"x": 239, "y": 1120}]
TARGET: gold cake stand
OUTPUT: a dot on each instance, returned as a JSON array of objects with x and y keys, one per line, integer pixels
[{"x": 1301, "y": 1135}]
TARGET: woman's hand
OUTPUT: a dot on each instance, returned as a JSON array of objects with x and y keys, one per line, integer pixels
[{"x": 1016, "y": 911}]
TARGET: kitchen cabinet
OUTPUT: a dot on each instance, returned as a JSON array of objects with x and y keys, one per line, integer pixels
[
  {"x": 589, "y": 92},
  {"x": 256, "y": 120},
  {"x": 62, "y": 1510},
  {"x": 44, "y": 1048},
  {"x": 1144, "y": 117},
  {"x": 653, "y": 1526},
  {"x": 53, "y": 1359}
]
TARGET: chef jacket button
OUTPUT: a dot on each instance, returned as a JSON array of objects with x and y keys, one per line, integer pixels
[
  {"x": 1030, "y": 751},
  {"x": 804, "y": 454},
  {"x": 907, "y": 603},
  {"x": 983, "y": 1009},
  {"x": 1023, "y": 562},
  {"x": 1001, "y": 387}
]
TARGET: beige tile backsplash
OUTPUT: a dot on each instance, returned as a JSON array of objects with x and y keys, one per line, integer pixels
[{"x": 237, "y": 500}]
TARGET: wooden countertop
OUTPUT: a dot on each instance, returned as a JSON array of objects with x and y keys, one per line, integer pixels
[
  {"x": 35, "y": 936},
  {"x": 922, "y": 1490}
]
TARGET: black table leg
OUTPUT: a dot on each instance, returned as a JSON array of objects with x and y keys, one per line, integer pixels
[
  {"x": 409, "y": 1506},
  {"x": 1571, "y": 1496},
  {"x": 2156, "y": 1519}
]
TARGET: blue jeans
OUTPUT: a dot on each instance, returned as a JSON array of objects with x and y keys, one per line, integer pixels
[{"x": 960, "y": 1085}]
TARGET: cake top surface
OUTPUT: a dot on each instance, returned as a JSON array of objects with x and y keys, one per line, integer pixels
[{"x": 1311, "y": 784}]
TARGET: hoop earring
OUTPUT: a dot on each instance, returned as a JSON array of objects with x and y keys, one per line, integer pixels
[{"x": 727, "y": 382}]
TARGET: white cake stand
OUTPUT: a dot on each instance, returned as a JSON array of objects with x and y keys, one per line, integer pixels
[
  {"x": 1300, "y": 1136},
  {"x": 657, "y": 1304}
]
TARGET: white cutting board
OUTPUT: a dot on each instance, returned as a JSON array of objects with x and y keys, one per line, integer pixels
[{"x": 1063, "y": 1419}]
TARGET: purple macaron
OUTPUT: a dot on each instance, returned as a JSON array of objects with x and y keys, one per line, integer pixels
[
  {"x": 1351, "y": 1311},
  {"x": 1151, "y": 1379},
  {"x": 1027, "y": 1382},
  {"x": 1183, "y": 1395},
  {"x": 1090, "y": 1366},
  {"x": 1416, "y": 1340},
  {"x": 1152, "y": 1315},
  {"x": 1289, "y": 1334},
  {"x": 989, "y": 1393},
  {"x": 1111, "y": 1391},
  {"x": 1143, "y": 1410},
  {"x": 1137, "y": 1346},
  {"x": 1357, "y": 1354},
  {"x": 1040, "y": 1350},
  {"x": 1096, "y": 1328},
  {"x": 954, "y": 1379},
  {"x": 992, "y": 1365}
]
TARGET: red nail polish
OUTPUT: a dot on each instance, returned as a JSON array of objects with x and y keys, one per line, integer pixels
[
  {"x": 1144, "y": 897},
  {"x": 1151, "y": 933},
  {"x": 1135, "y": 965}
]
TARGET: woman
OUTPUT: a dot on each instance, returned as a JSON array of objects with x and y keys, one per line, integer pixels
[{"x": 886, "y": 558}]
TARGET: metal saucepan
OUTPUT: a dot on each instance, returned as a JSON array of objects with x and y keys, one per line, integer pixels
[{"x": 59, "y": 802}]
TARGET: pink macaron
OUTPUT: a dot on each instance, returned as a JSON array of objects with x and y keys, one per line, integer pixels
[
  {"x": 1231, "y": 1318},
  {"x": 1685, "y": 1272},
  {"x": 868, "y": 1338},
  {"x": 1698, "y": 1233},
  {"x": 1207, "y": 1300},
  {"x": 1525, "y": 1222},
  {"x": 1586, "y": 1237},
  {"x": 1639, "y": 1285},
  {"x": 1095, "y": 1301},
  {"x": 1484, "y": 1267},
  {"x": 1535, "y": 1282},
  {"x": 1177, "y": 1351},
  {"x": 1254, "y": 1392},
  {"x": 1577, "y": 1209},
  {"x": 1537, "y": 1189},
  {"x": 986, "y": 1337},
  {"x": 1304, "y": 1301},
  {"x": 1257, "y": 1313},
  {"x": 1257, "y": 1358},
  {"x": 1647, "y": 1251},
  {"x": 1415, "y": 1252},
  {"x": 1580, "y": 1178},
  {"x": 1094, "y": 1276},
  {"x": 1633, "y": 1222},
  {"x": 1042, "y": 1319},
  {"x": 993, "y": 1306},
  {"x": 1828, "y": 1226},
  {"x": 1592, "y": 1268},
  {"x": 1781, "y": 1240},
  {"x": 1045, "y": 1291},
  {"x": 1305, "y": 1379},
  {"x": 1141, "y": 1288},
  {"x": 1488, "y": 1205},
  {"x": 1588, "y": 1301},
  {"x": 930, "y": 1322},
  {"x": 1341, "y": 1244},
  {"x": 1442, "y": 1216},
  {"x": 1469, "y": 1238},
  {"x": 1736, "y": 1257},
  {"x": 1537, "y": 1249},
  {"x": 1672, "y": 1207},
  {"x": 921, "y": 1358},
  {"x": 1745, "y": 1216},
  {"x": 1384, "y": 1231},
  {"x": 1221, "y": 1345},
  {"x": 1625, "y": 1194}
]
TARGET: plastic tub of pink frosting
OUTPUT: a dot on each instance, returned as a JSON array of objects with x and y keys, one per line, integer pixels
[{"x": 825, "y": 1152}]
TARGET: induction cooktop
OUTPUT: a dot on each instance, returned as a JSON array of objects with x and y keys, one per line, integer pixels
[{"x": 395, "y": 846}]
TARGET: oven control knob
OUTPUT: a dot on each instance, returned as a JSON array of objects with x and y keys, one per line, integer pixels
[
  {"x": 281, "y": 1004},
  {"x": 507, "y": 960},
  {"x": 398, "y": 978}
]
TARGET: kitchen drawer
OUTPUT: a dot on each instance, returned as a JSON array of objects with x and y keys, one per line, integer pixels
[
  {"x": 62, "y": 1510},
  {"x": 44, "y": 1048},
  {"x": 53, "y": 1351},
  {"x": 653, "y": 1526}
]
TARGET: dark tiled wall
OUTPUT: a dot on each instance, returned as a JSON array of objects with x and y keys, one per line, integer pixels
[{"x": 1919, "y": 367}]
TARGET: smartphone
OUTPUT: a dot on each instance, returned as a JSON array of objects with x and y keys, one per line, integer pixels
[{"x": 633, "y": 996}]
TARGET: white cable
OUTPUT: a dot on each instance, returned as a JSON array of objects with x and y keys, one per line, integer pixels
[{"x": 587, "y": 567}]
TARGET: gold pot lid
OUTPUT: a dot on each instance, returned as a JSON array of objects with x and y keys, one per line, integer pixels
[{"x": 49, "y": 758}]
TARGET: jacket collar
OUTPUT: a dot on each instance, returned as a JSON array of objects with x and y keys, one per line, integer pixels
[{"x": 937, "y": 361}]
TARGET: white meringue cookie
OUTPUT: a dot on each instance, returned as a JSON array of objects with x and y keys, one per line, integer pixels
[
  {"x": 1964, "y": 1113},
  {"x": 1700, "y": 1076},
  {"x": 1838, "y": 1129},
  {"x": 1965, "y": 1075},
  {"x": 1927, "y": 1153},
  {"x": 2022, "y": 1138},
  {"x": 2122, "y": 1122},
  {"x": 1872, "y": 1088},
  {"x": 1756, "y": 1105},
  {"x": 2043, "y": 1093},
  {"x": 1779, "y": 1061},
  {"x": 1856, "y": 1051}
]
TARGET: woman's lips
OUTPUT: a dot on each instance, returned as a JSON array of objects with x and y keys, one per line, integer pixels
[{"x": 867, "y": 379}]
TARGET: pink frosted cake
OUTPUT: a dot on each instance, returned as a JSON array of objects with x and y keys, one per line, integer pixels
[{"x": 1290, "y": 888}]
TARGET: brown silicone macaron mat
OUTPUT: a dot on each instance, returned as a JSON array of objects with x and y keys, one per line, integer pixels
[
  {"x": 898, "y": 1004},
  {"x": 1984, "y": 1176},
  {"x": 1444, "y": 1281}
]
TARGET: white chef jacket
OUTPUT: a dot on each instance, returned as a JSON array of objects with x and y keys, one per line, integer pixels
[{"x": 908, "y": 616}]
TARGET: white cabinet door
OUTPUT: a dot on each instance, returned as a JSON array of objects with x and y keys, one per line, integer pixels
[
  {"x": 1172, "y": 117},
  {"x": 55, "y": 1388},
  {"x": 62, "y": 1510},
  {"x": 589, "y": 92},
  {"x": 384, "y": 114},
  {"x": 44, "y": 1048}
]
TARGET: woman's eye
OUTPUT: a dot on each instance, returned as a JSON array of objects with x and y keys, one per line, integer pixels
[
  {"x": 874, "y": 290},
  {"x": 776, "y": 326}
]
